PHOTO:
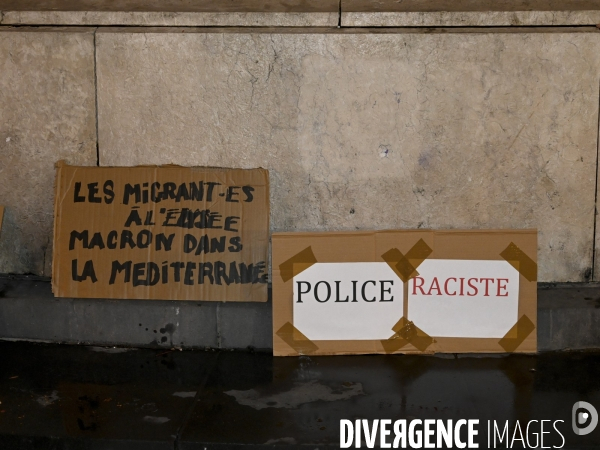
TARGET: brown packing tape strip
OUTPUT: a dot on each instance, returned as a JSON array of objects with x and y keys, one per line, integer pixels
[
  {"x": 520, "y": 261},
  {"x": 406, "y": 332},
  {"x": 394, "y": 257},
  {"x": 517, "y": 334},
  {"x": 413, "y": 259},
  {"x": 405, "y": 266},
  {"x": 419, "y": 253},
  {"x": 296, "y": 339},
  {"x": 297, "y": 264},
  {"x": 393, "y": 345}
]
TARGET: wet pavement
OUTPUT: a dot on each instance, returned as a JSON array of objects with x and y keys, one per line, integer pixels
[{"x": 76, "y": 397}]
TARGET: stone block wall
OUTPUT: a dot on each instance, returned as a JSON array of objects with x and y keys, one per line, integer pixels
[
  {"x": 360, "y": 128},
  {"x": 47, "y": 113}
]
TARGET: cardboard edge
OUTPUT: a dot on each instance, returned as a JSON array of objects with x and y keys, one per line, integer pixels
[
  {"x": 55, "y": 267},
  {"x": 62, "y": 163},
  {"x": 488, "y": 231},
  {"x": 293, "y": 234}
]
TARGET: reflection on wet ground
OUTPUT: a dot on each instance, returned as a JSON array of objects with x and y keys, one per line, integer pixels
[{"x": 72, "y": 397}]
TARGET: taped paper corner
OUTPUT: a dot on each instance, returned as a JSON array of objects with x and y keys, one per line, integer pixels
[
  {"x": 406, "y": 332},
  {"x": 405, "y": 266},
  {"x": 295, "y": 339},
  {"x": 297, "y": 264},
  {"x": 520, "y": 261},
  {"x": 517, "y": 334}
]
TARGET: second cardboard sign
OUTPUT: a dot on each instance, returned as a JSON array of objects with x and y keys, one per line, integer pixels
[{"x": 404, "y": 292}]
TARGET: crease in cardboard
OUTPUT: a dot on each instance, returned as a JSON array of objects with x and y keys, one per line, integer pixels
[
  {"x": 71, "y": 181},
  {"x": 405, "y": 266}
]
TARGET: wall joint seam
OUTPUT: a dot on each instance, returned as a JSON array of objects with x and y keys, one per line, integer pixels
[
  {"x": 593, "y": 274},
  {"x": 96, "y": 99}
]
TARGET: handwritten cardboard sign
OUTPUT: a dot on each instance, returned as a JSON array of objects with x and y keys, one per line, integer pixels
[
  {"x": 173, "y": 233},
  {"x": 404, "y": 292}
]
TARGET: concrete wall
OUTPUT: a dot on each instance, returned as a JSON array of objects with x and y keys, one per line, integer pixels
[
  {"x": 47, "y": 113},
  {"x": 373, "y": 131},
  {"x": 359, "y": 128},
  {"x": 359, "y": 131}
]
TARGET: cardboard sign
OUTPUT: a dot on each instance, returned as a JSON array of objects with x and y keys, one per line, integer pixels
[
  {"x": 404, "y": 292},
  {"x": 172, "y": 233}
]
